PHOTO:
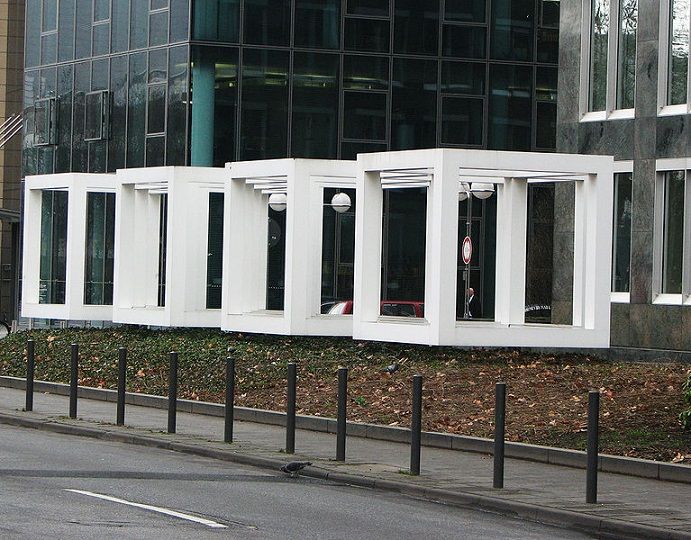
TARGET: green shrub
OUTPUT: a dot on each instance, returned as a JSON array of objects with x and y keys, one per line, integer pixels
[{"x": 685, "y": 416}]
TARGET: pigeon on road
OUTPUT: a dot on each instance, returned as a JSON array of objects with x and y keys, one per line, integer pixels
[
  {"x": 294, "y": 467},
  {"x": 393, "y": 368}
]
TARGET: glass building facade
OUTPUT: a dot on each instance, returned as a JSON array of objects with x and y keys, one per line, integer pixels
[{"x": 112, "y": 84}]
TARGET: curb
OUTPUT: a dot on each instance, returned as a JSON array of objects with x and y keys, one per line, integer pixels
[
  {"x": 588, "y": 523},
  {"x": 643, "y": 468}
]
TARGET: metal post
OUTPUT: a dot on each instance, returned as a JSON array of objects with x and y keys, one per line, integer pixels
[
  {"x": 30, "y": 368},
  {"x": 593, "y": 445},
  {"x": 74, "y": 365},
  {"x": 122, "y": 382},
  {"x": 290, "y": 409},
  {"x": 172, "y": 391},
  {"x": 499, "y": 422},
  {"x": 342, "y": 409},
  {"x": 230, "y": 400},
  {"x": 416, "y": 426}
]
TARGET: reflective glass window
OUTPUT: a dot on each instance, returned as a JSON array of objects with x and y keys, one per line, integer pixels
[
  {"x": 66, "y": 30},
  {"x": 176, "y": 128},
  {"x": 546, "y": 108},
  {"x": 49, "y": 48},
  {"x": 32, "y": 37},
  {"x": 156, "y": 111},
  {"x": 217, "y": 20},
  {"x": 317, "y": 24},
  {"x": 510, "y": 107},
  {"x": 162, "y": 248},
  {"x": 678, "y": 53},
  {"x": 462, "y": 120},
  {"x": 364, "y": 115},
  {"x": 673, "y": 232},
  {"x": 214, "y": 260},
  {"x": 414, "y": 104},
  {"x": 463, "y": 78},
  {"x": 120, "y": 26},
  {"x": 366, "y": 72},
  {"x": 82, "y": 85},
  {"x": 49, "y": 20},
  {"x": 64, "y": 118},
  {"x": 549, "y": 13},
  {"x": 621, "y": 241},
  {"x": 96, "y": 112},
  {"x": 267, "y": 22},
  {"x": 367, "y": 35},
  {"x": 44, "y": 121},
  {"x": 264, "y": 121},
  {"x": 377, "y": 8},
  {"x": 118, "y": 118},
  {"x": 338, "y": 250},
  {"x": 136, "y": 110},
  {"x": 139, "y": 23},
  {"x": 314, "y": 127},
  {"x": 101, "y": 10},
  {"x": 100, "y": 248},
  {"x": 155, "y": 151},
  {"x": 179, "y": 20},
  {"x": 548, "y": 45},
  {"x": 599, "y": 36},
  {"x": 158, "y": 28},
  {"x": 465, "y": 10},
  {"x": 464, "y": 41},
  {"x": 416, "y": 26},
  {"x": 626, "y": 54},
  {"x": 83, "y": 30},
  {"x": 512, "y": 32},
  {"x": 101, "y": 39},
  {"x": 276, "y": 259},
  {"x": 53, "y": 258}
]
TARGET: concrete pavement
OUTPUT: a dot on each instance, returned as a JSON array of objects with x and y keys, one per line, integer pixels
[{"x": 628, "y": 507}]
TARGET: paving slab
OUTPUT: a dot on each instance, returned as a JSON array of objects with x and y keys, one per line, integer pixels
[{"x": 628, "y": 506}]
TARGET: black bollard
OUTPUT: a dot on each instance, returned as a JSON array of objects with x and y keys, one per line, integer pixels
[
  {"x": 593, "y": 446},
  {"x": 230, "y": 400},
  {"x": 416, "y": 426},
  {"x": 172, "y": 391},
  {"x": 499, "y": 422},
  {"x": 30, "y": 368},
  {"x": 342, "y": 409},
  {"x": 290, "y": 409},
  {"x": 122, "y": 382},
  {"x": 74, "y": 365}
]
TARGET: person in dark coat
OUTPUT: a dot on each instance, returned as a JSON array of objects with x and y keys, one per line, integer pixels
[{"x": 474, "y": 305}]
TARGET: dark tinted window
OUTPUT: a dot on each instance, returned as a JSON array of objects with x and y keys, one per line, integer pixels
[
  {"x": 463, "y": 78},
  {"x": 118, "y": 117},
  {"x": 379, "y": 8},
  {"x": 176, "y": 128},
  {"x": 416, "y": 26},
  {"x": 367, "y": 35},
  {"x": 364, "y": 116},
  {"x": 65, "y": 30},
  {"x": 136, "y": 110},
  {"x": 366, "y": 72},
  {"x": 216, "y": 20},
  {"x": 510, "y": 107},
  {"x": 462, "y": 120},
  {"x": 465, "y": 10},
  {"x": 267, "y": 22},
  {"x": 512, "y": 29},
  {"x": 214, "y": 260},
  {"x": 464, "y": 41},
  {"x": 317, "y": 24},
  {"x": 414, "y": 104}
]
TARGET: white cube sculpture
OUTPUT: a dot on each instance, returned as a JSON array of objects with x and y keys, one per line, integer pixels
[
  {"x": 245, "y": 245},
  {"x": 77, "y": 186},
  {"x": 442, "y": 171},
  {"x": 135, "y": 299}
]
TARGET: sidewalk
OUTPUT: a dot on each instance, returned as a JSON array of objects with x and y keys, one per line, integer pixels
[{"x": 628, "y": 507}]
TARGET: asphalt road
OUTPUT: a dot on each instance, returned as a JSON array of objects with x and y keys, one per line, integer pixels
[{"x": 59, "y": 486}]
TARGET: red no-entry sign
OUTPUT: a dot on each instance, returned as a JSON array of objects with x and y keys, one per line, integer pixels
[{"x": 467, "y": 250}]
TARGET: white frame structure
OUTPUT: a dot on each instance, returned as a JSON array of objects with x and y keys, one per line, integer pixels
[
  {"x": 135, "y": 295},
  {"x": 250, "y": 183},
  {"x": 442, "y": 170},
  {"x": 77, "y": 185}
]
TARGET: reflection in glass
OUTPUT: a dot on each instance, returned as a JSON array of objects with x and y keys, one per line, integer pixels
[
  {"x": 314, "y": 125},
  {"x": 364, "y": 115},
  {"x": 416, "y": 26},
  {"x": 413, "y": 104},
  {"x": 539, "y": 253},
  {"x": 599, "y": 35},
  {"x": 465, "y": 10},
  {"x": 463, "y": 78},
  {"x": 626, "y": 64},
  {"x": 679, "y": 52},
  {"x": 267, "y": 22},
  {"x": 214, "y": 260},
  {"x": 162, "y": 248},
  {"x": 317, "y": 24},
  {"x": 673, "y": 232},
  {"x": 510, "y": 107},
  {"x": 65, "y": 31},
  {"x": 621, "y": 243},
  {"x": 366, "y": 73},
  {"x": 100, "y": 242},
  {"x": 512, "y": 32},
  {"x": 53, "y": 258},
  {"x": 264, "y": 123},
  {"x": 216, "y": 20},
  {"x": 338, "y": 250},
  {"x": 367, "y": 35},
  {"x": 136, "y": 110},
  {"x": 403, "y": 244},
  {"x": 461, "y": 120},
  {"x": 176, "y": 129}
]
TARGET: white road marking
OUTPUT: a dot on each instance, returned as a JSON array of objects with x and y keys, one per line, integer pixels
[{"x": 158, "y": 509}]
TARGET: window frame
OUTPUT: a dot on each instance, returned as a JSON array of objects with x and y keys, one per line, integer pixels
[
  {"x": 611, "y": 111},
  {"x": 662, "y": 167},
  {"x": 664, "y": 109},
  {"x": 51, "y": 128},
  {"x": 621, "y": 167},
  {"x": 105, "y": 115}
]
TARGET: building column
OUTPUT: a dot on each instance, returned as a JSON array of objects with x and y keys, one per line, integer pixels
[{"x": 203, "y": 97}]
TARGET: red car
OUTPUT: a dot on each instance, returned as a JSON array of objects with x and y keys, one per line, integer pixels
[{"x": 391, "y": 308}]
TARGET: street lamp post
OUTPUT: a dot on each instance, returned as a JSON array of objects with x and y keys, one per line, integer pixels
[{"x": 481, "y": 191}]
